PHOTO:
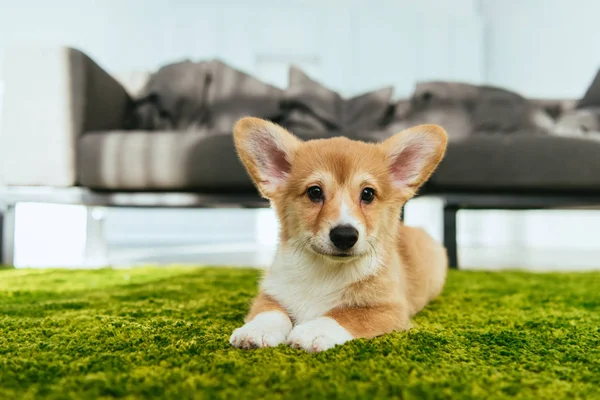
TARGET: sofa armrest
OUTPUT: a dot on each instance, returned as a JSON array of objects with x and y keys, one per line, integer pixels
[{"x": 51, "y": 96}]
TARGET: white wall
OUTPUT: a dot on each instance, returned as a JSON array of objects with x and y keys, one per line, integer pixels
[
  {"x": 351, "y": 45},
  {"x": 544, "y": 48}
]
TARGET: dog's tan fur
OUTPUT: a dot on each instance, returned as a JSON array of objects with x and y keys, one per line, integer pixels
[
  {"x": 411, "y": 266},
  {"x": 262, "y": 303}
]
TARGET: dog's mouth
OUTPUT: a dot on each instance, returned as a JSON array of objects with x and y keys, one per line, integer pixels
[
  {"x": 340, "y": 255},
  {"x": 335, "y": 256}
]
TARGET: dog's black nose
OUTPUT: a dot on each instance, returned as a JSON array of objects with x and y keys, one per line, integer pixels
[{"x": 343, "y": 236}]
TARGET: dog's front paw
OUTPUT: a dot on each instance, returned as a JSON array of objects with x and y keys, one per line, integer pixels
[
  {"x": 267, "y": 329},
  {"x": 318, "y": 335}
]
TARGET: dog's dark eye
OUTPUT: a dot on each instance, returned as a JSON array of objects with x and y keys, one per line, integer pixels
[
  {"x": 315, "y": 193},
  {"x": 367, "y": 195}
]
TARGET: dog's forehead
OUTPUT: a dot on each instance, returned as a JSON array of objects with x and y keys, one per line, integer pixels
[{"x": 342, "y": 159}]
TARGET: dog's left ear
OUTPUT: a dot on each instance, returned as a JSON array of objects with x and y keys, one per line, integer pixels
[
  {"x": 266, "y": 150},
  {"x": 414, "y": 154}
]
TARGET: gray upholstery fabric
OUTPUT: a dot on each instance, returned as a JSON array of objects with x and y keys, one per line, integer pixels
[
  {"x": 519, "y": 163},
  {"x": 591, "y": 97},
  {"x": 104, "y": 101},
  {"x": 147, "y": 161},
  {"x": 207, "y": 163},
  {"x": 583, "y": 120},
  {"x": 174, "y": 97},
  {"x": 318, "y": 100},
  {"x": 310, "y": 106},
  {"x": 555, "y": 108},
  {"x": 300, "y": 119},
  {"x": 579, "y": 122},
  {"x": 444, "y": 103},
  {"x": 187, "y": 96},
  {"x": 465, "y": 110},
  {"x": 498, "y": 110},
  {"x": 234, "y": 94}
]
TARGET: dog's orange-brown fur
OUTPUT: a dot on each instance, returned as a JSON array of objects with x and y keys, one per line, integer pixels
[
  {"x": 410, "y": 265},
  {"x": 262, "y": 303}
]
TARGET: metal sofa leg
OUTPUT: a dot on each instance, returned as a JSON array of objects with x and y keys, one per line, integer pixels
[
  {"x": 96, "y": 251},
  {"x": 8, "y": 236},
  {"x": 450, "y": 241}
]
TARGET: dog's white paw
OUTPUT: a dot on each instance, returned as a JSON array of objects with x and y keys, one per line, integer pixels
[
  {"x": 318, "y": 335},
  {"x": 267, "y": 329}
]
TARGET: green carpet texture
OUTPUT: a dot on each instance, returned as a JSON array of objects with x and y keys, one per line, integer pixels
[{"x": 163, "y": 333}]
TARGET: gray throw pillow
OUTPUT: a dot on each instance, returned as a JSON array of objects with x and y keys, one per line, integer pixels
[
  {"x": 201, "y": 96},
  {"x": 591, "y": 98},
  {"x": 501, "y": 111},
  {"x": 466, "y": 109},
  {"x": 579, "y": 122},
  {"x": 174, "y": 97},
  {"x": 447, "y": 104},
  {"x": 311, "y": 108},
  {"x": 234, "y": 94}
]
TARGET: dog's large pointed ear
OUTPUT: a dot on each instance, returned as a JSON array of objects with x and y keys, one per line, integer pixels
[
  {"x": 266, "y": 150},
  {"x": 414, "y": 154}
]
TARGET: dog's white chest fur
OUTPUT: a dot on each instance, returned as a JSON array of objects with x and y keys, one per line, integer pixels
[{"x": 307, "y": 287}]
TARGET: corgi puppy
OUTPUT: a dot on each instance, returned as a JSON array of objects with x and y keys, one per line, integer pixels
[{"x": 346, "y": 267}]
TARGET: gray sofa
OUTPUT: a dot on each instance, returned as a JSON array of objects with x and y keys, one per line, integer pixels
[{"x": 73, "y": 134}]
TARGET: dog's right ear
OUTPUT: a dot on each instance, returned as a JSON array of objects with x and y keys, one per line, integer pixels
[
  {"x": 266, "y": 150},
  {"x": 414, "y": 154}
]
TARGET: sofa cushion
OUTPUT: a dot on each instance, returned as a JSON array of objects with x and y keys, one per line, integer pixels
[
  {"x": 579, "y": 122},
  {"x": 136, "y": 160},
  {"x": 309, "y": 105},
  {"x": 187, "y": 96},
  {"x": 174, "y": 97},
  {"x": 465, "y": 110},
  {"x": 203, "y": 162},
  {"x": 591, "y": 98},
  {"x": 519, "y": 163},
  {"x": 555, "y": 108},
  {"x": 234, "y": 94}
]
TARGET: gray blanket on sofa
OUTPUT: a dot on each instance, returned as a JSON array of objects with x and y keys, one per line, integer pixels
[
  {"x": 466, "y": 110},
  {"x": 210, "y": 96},
  {"x": 584, "y": 120},
  {"x": 201, "y": 96}
]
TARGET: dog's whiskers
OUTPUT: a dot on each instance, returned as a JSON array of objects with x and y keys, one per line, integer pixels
[{"x": 373, "y": 249}]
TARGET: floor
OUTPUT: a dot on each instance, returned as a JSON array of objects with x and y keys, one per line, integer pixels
[
  {"x": 53, "y": 235},
  {"x": 470, "y": 257}
]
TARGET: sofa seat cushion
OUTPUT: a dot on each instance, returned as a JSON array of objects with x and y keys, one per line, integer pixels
[
  {"x": 519, "y": 163},
  {"x": 203, "y": 161},
  {"x": 161, "y": 161},
  {"x": 170, "y": 161}
]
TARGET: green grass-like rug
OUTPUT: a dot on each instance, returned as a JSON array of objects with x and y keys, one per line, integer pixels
[{"x": 163, "y": 332}]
